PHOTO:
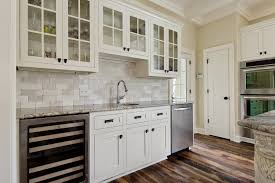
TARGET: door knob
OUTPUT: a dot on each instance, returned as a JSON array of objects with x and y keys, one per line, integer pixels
[{"x": 226, "y": 98}]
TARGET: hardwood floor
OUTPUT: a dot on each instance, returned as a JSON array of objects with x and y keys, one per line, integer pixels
[{"x": 211, "y": 159}]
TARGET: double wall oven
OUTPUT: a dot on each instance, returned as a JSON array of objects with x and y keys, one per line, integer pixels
[{"x": 257, "y": 88}]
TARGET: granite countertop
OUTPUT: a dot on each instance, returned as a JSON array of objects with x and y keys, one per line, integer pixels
[
  {"x": 27, "y": 113},
  {"x": 263, "y": 122}
]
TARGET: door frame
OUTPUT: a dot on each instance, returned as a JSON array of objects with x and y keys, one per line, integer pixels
[{"x": 229, "y": 46}]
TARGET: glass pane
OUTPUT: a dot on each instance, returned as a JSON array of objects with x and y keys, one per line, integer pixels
[
  {"x": 141, "y": 27},
  {"x": 50, "y": 4},
  {"x": 134, "y": 41},
  {"x": 85, "y": 30},
  {"x": 261, "y": 79},
  {"x": 175, "y": 65},
  {"x": 156, "y": 32},
  {"x": 73, "y": 7},
  {"x": 171, "y": 64},
  {"x": 73, "y": 28},
  {"x": 156, "y": 47},
  {"x": 156, "y": 63},
  {"x": 175, "y": 51},
  {"x": 161, "y": 48},
  {"x": 85, "y": 9},
  {"x": 35, "y": 44},
  {"x": 133, "y": 24},
  {"x": 108, "y": 36},
  {"x": 142, "y": 43},
  {"x": 161, "y": 63},
  {"x": 161, "y": 33},
  {"x": 73, "y": 50},
  {"x": 50, "y": 46},
  {"x": 107, "y": 16},
  {"x": 34, "y": 19},
  {"x": 171, "y": 52},
  {"x": 171, "y": 37},
  {"x": 35, "y": 2},
  {"x": 118, "y": 20},
  {"x": 118, "y": 38},
  {"x": 49, "y": 22},
  {"x": 175, "y": 38},
  {"x": 255, "y": 107},
  {"x": 84, "y": 52}
]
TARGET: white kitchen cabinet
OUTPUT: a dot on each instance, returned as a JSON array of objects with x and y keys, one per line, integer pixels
[
  {"x": 165, "y": 51},
  {"x": 138, "y": 140},
  {"x": 159, "y": 141},
  {"x": 122, "y": 31},
  {"x": 58, "y": 35},
  {"x": 257, "y": 41},
  {"x": 109, "y": 155}
]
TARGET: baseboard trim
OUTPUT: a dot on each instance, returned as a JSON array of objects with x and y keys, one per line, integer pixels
[
  {"x": 244, "y": 139},
  {"x": 200, "y": 131}
]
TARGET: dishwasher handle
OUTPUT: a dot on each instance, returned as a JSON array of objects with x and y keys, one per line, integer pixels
[{"x": 182, "y": 109}]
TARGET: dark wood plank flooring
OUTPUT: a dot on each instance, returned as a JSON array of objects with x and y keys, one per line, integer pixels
[{"x": 211, "y": 159}]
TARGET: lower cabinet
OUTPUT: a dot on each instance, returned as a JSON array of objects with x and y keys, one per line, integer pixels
[
  {"x": 159, "y": 141},
  {"x": 118, "y": 150},
  {"x": 109, "y": 155},
  {"x": 137, "y": 147}
]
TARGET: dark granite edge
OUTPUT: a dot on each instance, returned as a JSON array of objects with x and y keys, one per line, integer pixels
[{"x": 68, "y": 110}]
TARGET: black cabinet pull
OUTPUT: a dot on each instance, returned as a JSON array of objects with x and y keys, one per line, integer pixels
[
  {"x": 137, "y": 117},
  {"x": 146, "y": 131},
  {"x": 159, "y": 114},
  {"x": 261, "y": 53},
  {"x": 59, "y": 60},
  {"x": 65, "y": 60},
  {"x": 124, "y": 48},
  {"x": 109, "y": 121},
  {"x": 153, "y": 129},
  {"x": 121, "y": 136},
  {"x": 128, "y": 49},
  {"x": 265, "y": 52},
  {"x": 226, "y": 98}
]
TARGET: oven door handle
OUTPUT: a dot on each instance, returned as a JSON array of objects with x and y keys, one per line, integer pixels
[
  {"x": 260, "y": 97},
  {"x": 257, "y": 69}
]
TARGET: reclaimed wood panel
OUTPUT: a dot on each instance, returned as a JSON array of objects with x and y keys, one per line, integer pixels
[{"x": 210, "y": 160}]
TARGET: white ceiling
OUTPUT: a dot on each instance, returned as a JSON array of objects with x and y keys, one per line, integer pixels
[{"x": 205, "y": 11}]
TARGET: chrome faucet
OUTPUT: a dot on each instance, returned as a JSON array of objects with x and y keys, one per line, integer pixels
[{"x": 125, "y": 89}]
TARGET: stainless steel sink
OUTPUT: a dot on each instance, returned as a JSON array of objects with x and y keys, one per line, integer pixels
[{"x": 130, "y": 104}]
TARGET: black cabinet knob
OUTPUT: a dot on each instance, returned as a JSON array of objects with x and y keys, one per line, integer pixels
[
  {"x": 128, "y": 49},
  {"x": 261, "y": 53},
  {"x": 65, "y": 60},
  {"x": 121, "y": 136},
  {"x": 59, "y": 60},
  {"x": 146, "y": 131},
  {"x": 153, "y": 129},
  {"x": 124, "y": 48},
  {"x": 226, "y": 98},
  {"x": 265, "y": 52}
]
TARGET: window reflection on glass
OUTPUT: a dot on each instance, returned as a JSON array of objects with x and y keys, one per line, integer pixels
[
  {"x": 255, "y": 107},
  {"x": 179, "y": 85},
  {"x": 260, "y": 79}
]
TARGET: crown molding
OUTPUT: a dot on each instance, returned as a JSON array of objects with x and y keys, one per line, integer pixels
[{"x": 170, "y": 6}]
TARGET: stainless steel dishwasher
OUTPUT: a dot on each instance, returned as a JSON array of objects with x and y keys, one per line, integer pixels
[{"x": 182, "y": 135}]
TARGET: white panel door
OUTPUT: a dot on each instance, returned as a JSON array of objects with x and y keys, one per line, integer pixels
[
  {"x": 159, "y": 141},
  {"x": 137, "y": 147},
  {"x": 109, "y": 155},
  {"x": 218, "y": 95},
  {"x": 268, "y": 34},
  {"x": 251, "y": 45}
]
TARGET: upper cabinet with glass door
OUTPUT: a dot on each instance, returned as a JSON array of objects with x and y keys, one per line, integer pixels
[
  {"x": 123, "y": 31},
  {"x": 43, "y": 35}
]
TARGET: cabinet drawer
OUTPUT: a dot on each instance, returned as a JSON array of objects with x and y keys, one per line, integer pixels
[
  {"x": 159, "y": 114},
  {"x": 136, "y": 117},
  {"x": 108, "y": 121}
]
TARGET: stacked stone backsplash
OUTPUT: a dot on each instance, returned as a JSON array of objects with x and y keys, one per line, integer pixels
[{"x": 49, "y": 89}]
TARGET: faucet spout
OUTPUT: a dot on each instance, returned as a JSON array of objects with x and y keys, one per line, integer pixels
[{"x": 125, "y": 89}]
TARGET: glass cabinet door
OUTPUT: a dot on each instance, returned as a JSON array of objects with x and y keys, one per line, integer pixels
[
  {"x": 158, "y": 48},
  {"x": 78, "y": 43},
  {"x": 138, "y": 35},
  {"x": 173, "y": 51},
  {"x": 42, "y": 30},
  {"x": 112, "y": 26}
]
